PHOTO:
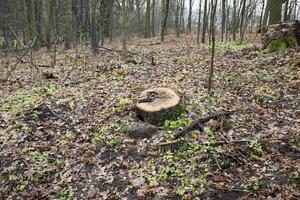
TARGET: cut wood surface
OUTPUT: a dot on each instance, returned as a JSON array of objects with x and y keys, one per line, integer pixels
[{"x": 158, "y": 104}]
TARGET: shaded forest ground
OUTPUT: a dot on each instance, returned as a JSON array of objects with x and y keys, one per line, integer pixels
[{"x": 63, "y": 129}]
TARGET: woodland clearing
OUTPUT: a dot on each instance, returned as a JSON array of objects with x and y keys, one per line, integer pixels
[{"x": 63, "y": 129}]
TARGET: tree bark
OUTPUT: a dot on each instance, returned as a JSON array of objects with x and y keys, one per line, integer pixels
[
  {"x": 275, "y": 11},
  {"x": 153, "y": 18},
  {"x": 199, "y": 22},
  {"x": 68, "y": 23},
  {"x": 93, "y": 26},
  {"x": 234, "y": 20},
  {"x": 189, "y": 26},
  {"x": 165, "y": 17},
  {"x": 223, "y": 19},
  {"x": 124, "y": 28},
  {"x": 177, "y": 25},
  {"x": 204, "y": 23},
  {"x": 147, "y": 20},
  {"x": 213, "y": 35}
]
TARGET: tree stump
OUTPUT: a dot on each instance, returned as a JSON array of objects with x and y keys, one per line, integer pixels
[
  {"x": 156, "y": 105},
  {"x": 281, "y": 36}
]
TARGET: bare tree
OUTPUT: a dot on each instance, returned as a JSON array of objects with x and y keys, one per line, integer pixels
[{"x": 213, "y": 34}]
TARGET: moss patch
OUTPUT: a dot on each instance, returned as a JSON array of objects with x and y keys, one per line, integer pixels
[{"x": 281, "y": 44}]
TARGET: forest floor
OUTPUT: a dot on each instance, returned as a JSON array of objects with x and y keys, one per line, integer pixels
[{"x": 63, "y": 129}]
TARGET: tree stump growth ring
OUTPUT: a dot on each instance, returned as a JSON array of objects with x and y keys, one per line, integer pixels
[{"x": 156, "y": 105}]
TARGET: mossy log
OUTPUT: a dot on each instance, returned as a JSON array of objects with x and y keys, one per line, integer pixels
[
  {"x": 156, "y": 105},
  {"x": 281, "y": 36}
]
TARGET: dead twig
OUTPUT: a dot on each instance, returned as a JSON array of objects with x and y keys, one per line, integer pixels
[
  {"x": 150, "y": 44},
  {"x": 197, "y": 124}
]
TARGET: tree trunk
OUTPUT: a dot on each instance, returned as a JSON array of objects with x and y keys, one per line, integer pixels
[
  {"x": 124, "y": 28},
  {"x": 110, "y": 20},
  {"x": 147, "y": 20},
  {"x": 199, "y": 22},
  {"x": 285, "y": 18},
  {"x": 93, "y": 26},
  {"x": 223, "y": 19},
  {"x": 275, "y": 11},
  {"x": 261, "y": 16},
  {"x": 182, "y": 16},
  {"x": 138, "y": 10},
  {"x": 205, "y": 21},
  {"x": 213, "y": 35},
  {"x": 234, "y": 20},
  {"x": 189, "y": 26},
  {"x": 47, "y": 16},
  {"x": 165, "y": 17},
  {"x": 68, "y": 23},
  {"x": 177, "y": 26},
  {"x": 243, "y": 20},
  {"x": 153, "y": 18}
]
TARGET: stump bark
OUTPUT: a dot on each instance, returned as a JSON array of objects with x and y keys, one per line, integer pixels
[
  {"x": 281, "y": 36},
  {"x": 156, "y": 105}
]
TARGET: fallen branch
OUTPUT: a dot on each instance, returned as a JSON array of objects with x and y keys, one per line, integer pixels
[
  {"x": 175, "y": 144},
  {"x": 198, "y": 124},
  {"x": 150, "y": 44}
]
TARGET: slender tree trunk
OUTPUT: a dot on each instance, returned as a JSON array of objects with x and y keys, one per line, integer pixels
[
  {"x": 68, "y": 23},
  {"x": 147, "y": 20},
  {"x": 110, "y": 20},
  {"x": 77, "y": 19},
  {"x": 243, "y": 20},
  {"x": 295, "y": 15},
  {"x": 164, "y": 25},
  {"x": 227, "y": 21},
  {"x": 182, "y": 16},
  {"x": 124, "y": 28},
  {"x": 189, "y": 27},
  {"x": 93, "y": 26},
  {"x": 234, "y": 20},
  {"x": 38, "y": 22},
  {"x": 177, "y": 25},
  {"x": 153, "y": 18},
  {"x": 285, "y": 18},
  {"x": 204, "y": 23},
  {"x": 138, "y": 10},
  {"x": 199, "y": 22},
  {"x": 261, "y": 15},
  {"x": 213, "y": 34},
  {"x": 223, "y": 19},
  {"x": 47, "y": 16},
  {"x": 209, "y": 21},
  {"x": 24, "y": 22},
  {"x": 266, "y": 15}
]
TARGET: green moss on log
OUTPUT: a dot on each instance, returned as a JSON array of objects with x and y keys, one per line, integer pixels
[{"x": 282, "y": 44}]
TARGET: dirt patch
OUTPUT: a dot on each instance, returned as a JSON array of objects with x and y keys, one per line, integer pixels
[
  {"x": 108, "y": 155},
  {"x": 223, "y": 195}
]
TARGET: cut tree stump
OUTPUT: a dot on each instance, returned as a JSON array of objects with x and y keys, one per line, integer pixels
[
  {"x": 156, "y": 105},
  {"x": 281, "y": 36}
]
